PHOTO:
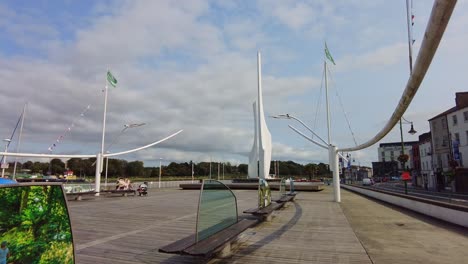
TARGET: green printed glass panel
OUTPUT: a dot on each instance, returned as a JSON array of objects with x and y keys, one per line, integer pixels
[
  {"x": 291, "y": 185},
  {"x": 35, "y": 225},
  {"x": 217, "y": 209},
  {"x": 282, "y": 187},
  {"x": 264, "y": 194}
]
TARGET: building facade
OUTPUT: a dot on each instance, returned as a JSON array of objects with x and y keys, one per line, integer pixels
[
  {"x": 390, "y": 152},
  {"x": 428, "y": 180},
  {"x": 449, "y": 141}
]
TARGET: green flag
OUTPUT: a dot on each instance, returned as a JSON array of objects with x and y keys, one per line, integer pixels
[
  {"x": 111, "y": 79},
  {"x": 328, "y": 55}
]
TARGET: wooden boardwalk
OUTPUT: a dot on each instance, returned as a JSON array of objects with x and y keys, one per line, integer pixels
[{"x": 313, "y": 229}]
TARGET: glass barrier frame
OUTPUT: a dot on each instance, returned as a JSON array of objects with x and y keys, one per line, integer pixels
[{"x": 200, "y": 199}]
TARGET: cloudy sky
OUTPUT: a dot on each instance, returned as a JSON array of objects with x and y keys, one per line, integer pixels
[{"x": 192, "y": 65}]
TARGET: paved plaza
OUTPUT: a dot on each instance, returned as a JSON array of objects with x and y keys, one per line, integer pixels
[{"x": 313, "y": 229}]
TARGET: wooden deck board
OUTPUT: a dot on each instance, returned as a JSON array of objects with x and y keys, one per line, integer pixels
[{"x": 124, "y": 230}]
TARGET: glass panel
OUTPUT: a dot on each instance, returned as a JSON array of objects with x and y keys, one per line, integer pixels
[
  {"x": 291, "y": 185},
  {"x": 35, "y": 225},
  {"x": 282, "y": 188},
  {"x": 76, "y": 188},
  {"x": 217, "y": 209},
  {"x": 264, "y": 194}
]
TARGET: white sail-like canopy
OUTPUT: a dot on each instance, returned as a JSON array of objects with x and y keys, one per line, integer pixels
[{"x": 253, "y": 157}]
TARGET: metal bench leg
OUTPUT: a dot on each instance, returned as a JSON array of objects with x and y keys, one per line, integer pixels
[{"x": 268, "y": 218}]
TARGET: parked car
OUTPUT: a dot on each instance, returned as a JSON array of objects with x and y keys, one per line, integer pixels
[{"x": 367, "y": 182}]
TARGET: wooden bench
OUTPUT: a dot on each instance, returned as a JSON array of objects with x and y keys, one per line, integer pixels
[
  {"x": 123, "y": 192},
  {"x": 218, "y": 242},
  {"x": 265, "y": 211},
  {"x": 285, "y": 198},
  {"x": 77, "y": 196}
]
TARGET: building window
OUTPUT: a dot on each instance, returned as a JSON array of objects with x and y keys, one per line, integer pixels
[
  {"x": 461, "y": 160},
  {"x": 444, "y": 141},
  {"x": 465, "y": 116},
  {"x": 457, "y": 137},
  {"x": 454, "y": 119},
  {"x": 391, "y": 153},
  {"x": 444, "y": 123},
  {"x": 436, "y": 140},
  {"x": 466, "y": 136}
]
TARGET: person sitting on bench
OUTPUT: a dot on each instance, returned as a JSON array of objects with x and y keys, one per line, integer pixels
[{"x": 120, "y": 184}]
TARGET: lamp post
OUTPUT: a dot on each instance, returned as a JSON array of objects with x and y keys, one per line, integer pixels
[
  {"x": 126, "y": 126},
  {"x": 159, "y": 183},
  {"x": 402, "y": 159},
  {"x": 4, "y": 163},
  {"x": 332, "y": 153}
]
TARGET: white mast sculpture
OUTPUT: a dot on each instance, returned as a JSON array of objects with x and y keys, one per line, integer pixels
[{"x": 260, "y": 155}]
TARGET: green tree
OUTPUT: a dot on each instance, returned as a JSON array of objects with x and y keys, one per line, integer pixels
[
  {"x": 135, "y": 168},
  {"x": 243, "y": 169},
  {"x": 57, "y": 167}
]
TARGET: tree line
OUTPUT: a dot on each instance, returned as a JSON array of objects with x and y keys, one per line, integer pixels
[{"x": 123, "y": 168}]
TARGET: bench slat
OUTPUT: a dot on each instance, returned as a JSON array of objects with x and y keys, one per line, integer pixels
[
  {"x": 264, "y": 211},
  {"x": 285, "y": 198},
  {"x": 209, "y": 245},
  {"x": 178, "y": 246}
]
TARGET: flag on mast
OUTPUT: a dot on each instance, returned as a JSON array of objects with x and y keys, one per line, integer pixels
[
  {"x": 328, "y": 55},
  {"x": 111, "y": 79}
]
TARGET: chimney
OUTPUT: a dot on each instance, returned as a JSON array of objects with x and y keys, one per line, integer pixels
[{"x": 461, "y": 99}]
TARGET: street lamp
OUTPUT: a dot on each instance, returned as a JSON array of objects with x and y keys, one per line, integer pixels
[
  {"x": 402, "y": 158},
  {"x": 4, "y": 163},
  {"x": 126, "y": 126},
  {"x": 332, "y": 152},
  {"x": 288, "y": 116}
]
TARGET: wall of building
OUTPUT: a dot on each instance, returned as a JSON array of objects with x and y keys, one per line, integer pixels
[
  {"x": 425, "y": 155},
  {"x": 458, "y": 129},
  {"x": 391, "y": 153},
  {"x": 440, "y": 143}
]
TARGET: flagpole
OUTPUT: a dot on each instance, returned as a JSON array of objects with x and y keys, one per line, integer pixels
[
  {"x": 104, "y": 120},
  {"x": 327, "y": 101},
  {"x": 410, "y": 45},
  {"x": 99, "y": 164},
  {"x": 332, "y": 150}
]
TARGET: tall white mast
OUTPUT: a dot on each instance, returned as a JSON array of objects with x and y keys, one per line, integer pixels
[{"x": 327, "y": 102}]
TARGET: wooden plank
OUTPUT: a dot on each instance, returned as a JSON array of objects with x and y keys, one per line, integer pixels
[
  {"x": 264, "y": 211},
  {"x": 178, "y": 246}
]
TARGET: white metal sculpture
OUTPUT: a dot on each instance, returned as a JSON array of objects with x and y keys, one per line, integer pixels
[
  {"x": 262, "y": 134},
  {"x": 253, "y": 157}
]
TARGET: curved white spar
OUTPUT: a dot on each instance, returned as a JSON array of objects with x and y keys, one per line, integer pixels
[
  {"x": 440, "y": 16},
  {"x": 140, "y": 148},
  {"x": 86, "y": 155}
]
